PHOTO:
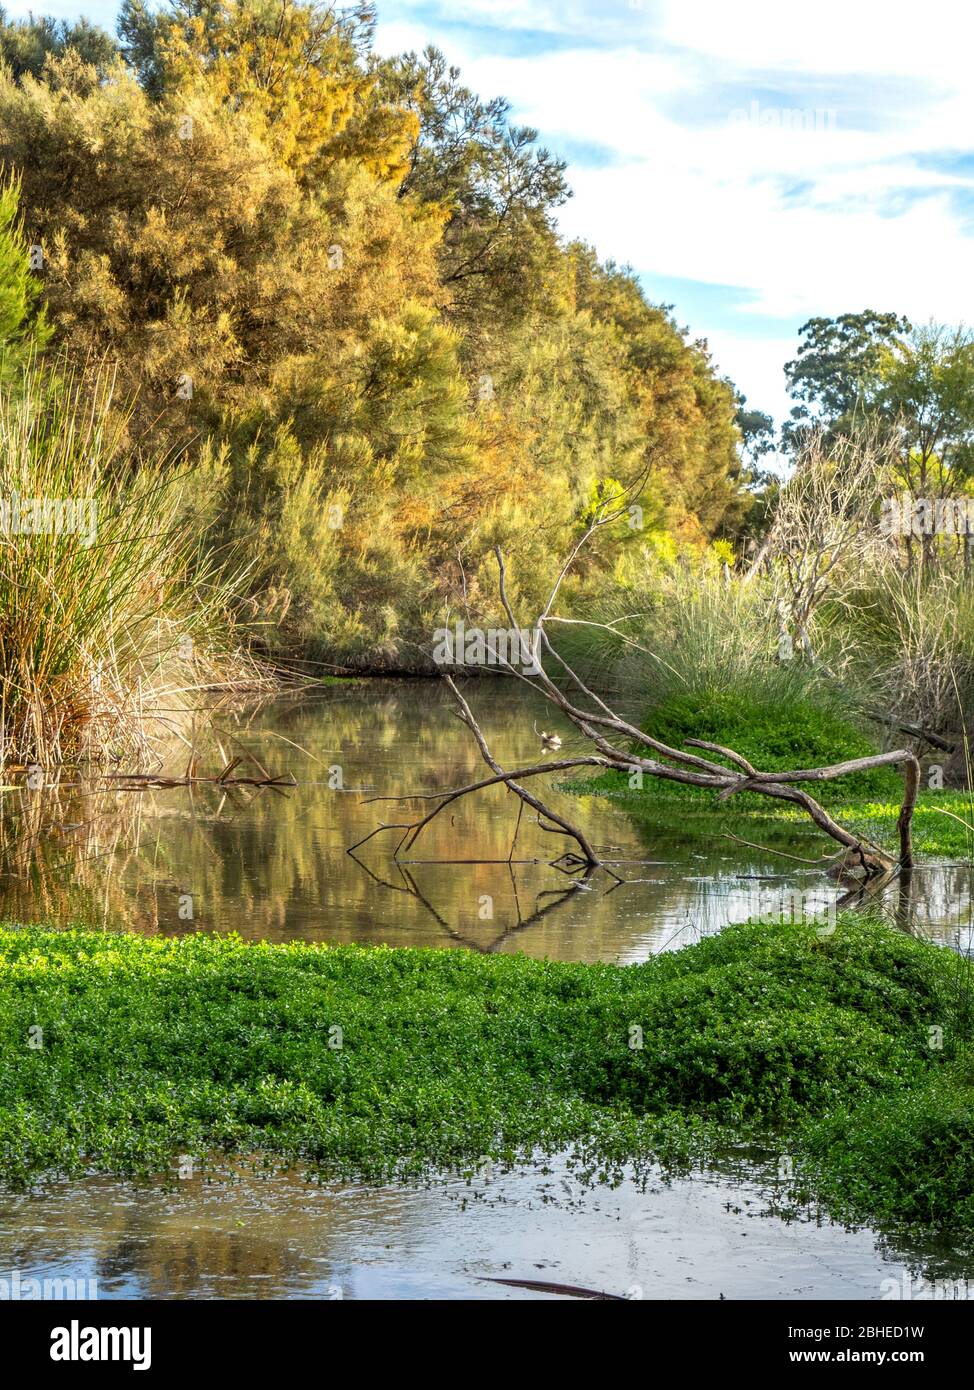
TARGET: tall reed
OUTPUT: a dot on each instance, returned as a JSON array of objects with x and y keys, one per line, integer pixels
[
  {"x": 111, "y": 620},
  {"x": 691, "y": 629}
]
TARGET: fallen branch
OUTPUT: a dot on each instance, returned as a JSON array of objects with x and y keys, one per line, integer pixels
[
  {"x": 143, "y": 781},
  {"x": 914, "y": 730},
  {"x": 614, "y": 739}
]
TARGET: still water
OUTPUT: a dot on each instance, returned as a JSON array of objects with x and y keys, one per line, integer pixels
[
  {"x": 274, "y": 864},
  {"x": 699, "y": 1237}
]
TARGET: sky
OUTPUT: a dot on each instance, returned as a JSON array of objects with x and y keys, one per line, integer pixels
[{"x": 754, "y": 162}]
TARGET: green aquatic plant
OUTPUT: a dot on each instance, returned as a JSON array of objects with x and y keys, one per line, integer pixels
[{"x": 119, "y": 1052}]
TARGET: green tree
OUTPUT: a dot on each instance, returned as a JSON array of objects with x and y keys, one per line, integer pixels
[
  {"x": 926, "y": 388},
  {"x": 690, "y": 440},
  {"x": 293, "y": 69},
  {"x": 25, "y": 44},
  {"x": 925, "y": 396},
  {"x": 835, "y": 374},
  {"x": 24, "y": 330},
  {"x": 499, "y": 253},
  {"x": 189, "y": 253},
  {"x": 914, "y": 385},
  {"x": 757, "y": 433},
  {"x": 339, "y": 282}
]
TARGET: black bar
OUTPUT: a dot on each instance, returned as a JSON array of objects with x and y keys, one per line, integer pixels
[{"x": 255, "y": 1338}]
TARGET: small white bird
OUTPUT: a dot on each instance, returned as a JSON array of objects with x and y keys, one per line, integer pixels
[{"x": 549, "y": 742}]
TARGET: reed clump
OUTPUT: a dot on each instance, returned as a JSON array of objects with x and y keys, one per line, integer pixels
[{"x": 114, "y": 622}]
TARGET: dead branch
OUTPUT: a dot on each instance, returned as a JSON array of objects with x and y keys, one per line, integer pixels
[
  {"x": 144, "y": 781},
  {"x": 527, "y": 797},
  {"x": 823, "y": 532},
  {"x": 914, "y": 730},
  {"x": 614, "y": 740}
]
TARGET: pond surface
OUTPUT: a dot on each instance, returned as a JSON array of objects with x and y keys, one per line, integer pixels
[
  {"x": 274, "y": 864},
  {"x": 706, "y": 1236}
]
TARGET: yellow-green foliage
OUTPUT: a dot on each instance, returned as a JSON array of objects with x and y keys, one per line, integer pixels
[{"x": 334, "y": 277}]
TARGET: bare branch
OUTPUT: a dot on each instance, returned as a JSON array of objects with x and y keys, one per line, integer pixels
[{"x": 601, "y": 724}]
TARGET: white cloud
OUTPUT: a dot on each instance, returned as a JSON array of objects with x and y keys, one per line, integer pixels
[
  {"x": 701, "y": 186},
  {"x": 834, "y": 36},
  {"x": 795, "y": 260},
  {"x": 756, "y": 367}
]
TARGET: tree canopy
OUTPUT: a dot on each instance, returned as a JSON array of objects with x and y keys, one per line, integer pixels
[{"x": 337, "y": 281}]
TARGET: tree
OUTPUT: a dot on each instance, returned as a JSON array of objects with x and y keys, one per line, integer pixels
[
  {"x": 824, "y": 533},
  {"x": 686, "y": 412},
  {"x": 835, "y": 374},
  {"x": 926, "y": 386},
  {"x": 499, "y": 253},
  {"x": 25, "y": 44},
  {"x": 189, "y": 253},
  {"x": 757, "y": 433},
  {"x": 24, "y": 330},
  {"x": 339, "y": 282},
  {"x": 293, "y": 69},
  {"x": 916, "y": 384}
]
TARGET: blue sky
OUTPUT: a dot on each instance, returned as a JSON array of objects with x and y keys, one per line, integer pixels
[{"x": 755, "y": 162}]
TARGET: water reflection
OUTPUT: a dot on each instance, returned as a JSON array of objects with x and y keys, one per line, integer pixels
[
  {"x": 274, "y": 1236},
  {"x": 273, "y": 864}
]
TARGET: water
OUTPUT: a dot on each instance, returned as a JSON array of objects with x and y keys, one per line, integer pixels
[
  {"x": 275, "y": 865},
  {"x": 699, "y": 1237}
]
